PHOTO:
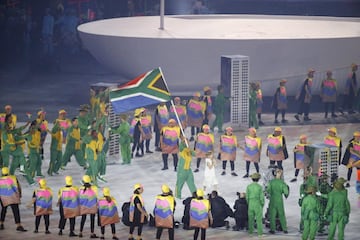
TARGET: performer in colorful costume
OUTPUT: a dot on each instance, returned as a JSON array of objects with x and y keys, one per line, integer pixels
[
  {"x": 200, "y": 214},
  {"x": 164, "y": 212},
  {"x": 42, "y": 200},
  {"x": 181, "y": 112},
  {"x": 276, "y": 149},
  {"x": 228, "y": 145},
  {"x": 304, "y": 96},
  {"x": 219, "y": 109},
  {"x": 208, "y": 104},
  {"x": 351, "y": 157},
  {"x": 146, "y": 123},
  {"x": 137, "y": 212},
  {"x": 10, "y": 195},
  {"x": 108, "y": 213},
  {"x": 299, "y": 156},
  {"x": 333, "y": 140},
  {"x": 252, "y": 150},
  {"x": 169, "y": 143},
  {"x": 279, "y": 102},
  {"x": 328, "y": 94},
  {"x": 196, "y": 114},
  {"x": 161, "y": 116},
  {"x": 69, "y": 207},
  {"x": 255, "y": 199},
  {"x": 184, "y": 172},
  {"x": 88, "y": 204},
  {"x": 204, "y": 143},
  {"x": 276, "y": 189}
]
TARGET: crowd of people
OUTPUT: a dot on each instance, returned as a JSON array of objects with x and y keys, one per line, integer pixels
[{"x": 84, "y": 138}]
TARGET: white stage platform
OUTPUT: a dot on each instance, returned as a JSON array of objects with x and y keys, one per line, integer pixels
[{"x": 189, "y": 48}]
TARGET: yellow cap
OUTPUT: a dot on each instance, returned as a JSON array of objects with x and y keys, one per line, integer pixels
[
  {"x": 171, "y": 120},
  {"x": 42, "y": 182},
  {"x": 303, "y": 136},
  {"x": 41, "y": 112},
  {"x": 165, "y": 188},
  {"x": 62, "y": 111},
  {"x": 197, "y": 94},
  {"x": 5, "y": 171},
  {"x": 207, "y": 88},
  {"x": 277, "y": 129},
  {"x": 205, "y": 126},
  {"x": 333, "y": 129},
  {"x": 68, "y": 181},
  {"x": 106, "y": 192},
  {"x": 283, "y": 81},
  {"x": 137, "y": 112},
  {"x": 253, "y": 130},
  {"x": 354, "y": 65},
  {"x": 86, "y": 179},
  {"x": 229, "y": 129},
  {"x": 310, "y": 189},
  {"x": 177, "y": 99},
  {"x": 311, "y": 70},
  {"x": 138, "y": 185},
  {"x": 199, "y": 193},
  {"x": 357, "y": 134}
]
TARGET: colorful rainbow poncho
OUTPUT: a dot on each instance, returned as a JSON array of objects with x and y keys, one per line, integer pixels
[
  {"x": 163, "y": 211},
  {"x": 9, "y": 192},
  {"x": 108, "y": 212},
  {"x": 88, "y": 200},
  {"x": 43, "y": 202},
  {"x": 204, "y": 143},
  {"x": 70, "y": 201},
  {"x": 199, "y": 213}
]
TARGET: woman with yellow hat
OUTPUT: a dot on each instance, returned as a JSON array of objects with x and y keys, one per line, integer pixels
[
  {"x": 10, "y": 195},
  {"x": 161, "y": 116},
  {"x": 137, "y": 212},
  {"x": 333, "y": 140},
  {"x": 299, "y": 156},
  {"x": 42, "y": 200},
  {"x": 351, "y": 157},
  {"x": 276, "y": 149},
  {"x": 196, "y": 114},
  {"x": 279, "y": 102},
  {"x": 164, "y": 212},
  {"x": 252, "y": 150},
  {"x": 136, "y": 132},
  {"x": 169, "y": 143},
  {"x": 200, "y": 214},
  {"x": 108, "y": 213},
  {"x": 88, "y": 195},
  {"x": 68, "y": 203},
  {"x": 228, "y": 145},
  {"x": 204, "y": 144}
]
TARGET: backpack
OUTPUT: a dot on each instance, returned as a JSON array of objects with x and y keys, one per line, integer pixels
[{"x": 125, "y": 210}]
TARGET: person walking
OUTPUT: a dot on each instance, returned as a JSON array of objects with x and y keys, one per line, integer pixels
[
  {"x": 255, "y": 199},
  {"x": 279, "y": 102},
  {"x": 164, "y": 212},
  {"x": 252, "y": 151},
  {"x": 219, "y": 109},
  {"x": 124, "y": 138},
  {"x": 200, "y": 214},
  {"x": 228, "y": 145},
  {"x": 10, "y": 195},
  {"x": 276, "y": 189},
  {"x": 169, "y": 143},
  {"x": 299, "y": 156},
  {"x": 161, "y": 117},
  {"x": 310, "y": 213},
  {"x": 304, "y": 96},
  {"x": 88, "y": 204},
  {"x": 351, "y": 88},
  {"x": 137, "y": 212},
  {"x": 329, "y": 94},
  {"x": 108, "y": 213},
  {"x": 42, "y": 201}
]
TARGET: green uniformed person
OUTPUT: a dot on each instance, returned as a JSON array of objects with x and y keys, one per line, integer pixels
[
  {"x": 124, "y": 139},
  {"x": 255, "y": 199},
  {"x": 310, "y": 214}
]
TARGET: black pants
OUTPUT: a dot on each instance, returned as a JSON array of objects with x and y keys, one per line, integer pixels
[
  {"x": 198, "y": 161},
  {"x": 15, "y": 210},
  {"x": 46, "y": 220},
  {"x": 203, "y": 233},
  {"x": 277, "y": 111},
  {"x": 304, "y": 108},
  {"x": 157, "y": 138},
  {"x": 165, "y": 157},
  {"x": 348, "y": 101},
  {"x": 248, "y": 167},
  {"x": 112, "y": 229},
  {"x": 62, "y": 220},
  {"x": 332, "y": 108},
  {"x": 136, "y": 144},
  {"x": 194, "y": 130},
  {"x": 232, "y": 165},
  {"x": 159, "y": 232},
  {"x": 132, "y": 228},
  {"x": 279, "y": 163},
  {"x": 92, "y": 222}
]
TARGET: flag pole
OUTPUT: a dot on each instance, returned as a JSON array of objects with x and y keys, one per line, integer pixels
[
  {"x": 162, "y": 13},
  {"x": 176, "y": 114}
]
